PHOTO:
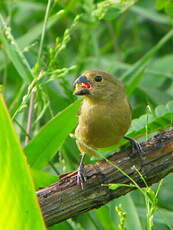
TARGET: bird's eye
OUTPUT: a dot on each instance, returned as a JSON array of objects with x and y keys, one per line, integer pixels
[{"x": 98, "y": 78}]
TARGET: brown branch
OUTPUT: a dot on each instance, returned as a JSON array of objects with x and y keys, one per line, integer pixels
[{"x": 65, "y": 198}]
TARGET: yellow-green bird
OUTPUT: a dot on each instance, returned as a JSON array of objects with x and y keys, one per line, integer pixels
[{"x": 105, "y": 114}]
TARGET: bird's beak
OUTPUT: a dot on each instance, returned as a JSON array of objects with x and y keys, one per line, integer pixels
[
  {"x": 80, "y": 80},
  {"x": 82, "y": 86}
]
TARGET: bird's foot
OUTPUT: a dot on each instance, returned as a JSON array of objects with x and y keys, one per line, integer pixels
[
  {"x": 81, "y": 178},
  {"x": 136, "y": 147}
]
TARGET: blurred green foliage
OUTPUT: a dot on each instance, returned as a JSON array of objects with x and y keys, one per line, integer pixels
[{"x": 45, "y": 45}]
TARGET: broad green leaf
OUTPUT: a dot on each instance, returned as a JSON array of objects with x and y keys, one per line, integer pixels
[
  {"x": 63, "y": 226},
  {"x": 105, "y": 216},
  {"x": 13, "y": 52},
  {"x": 135, "y": 82},
  {"x": 51, "y": 137},
  {"x": 162, "y": 118},
  {"x": 18, "y": 203},
  {"x": 160, "y": 4},
  {"x": 169, "y": 8},
  {"x": 42, "y": 179},
  {"x": 163, "y": 65}
]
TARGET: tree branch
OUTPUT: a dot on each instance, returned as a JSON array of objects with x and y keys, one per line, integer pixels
[{"x": 65, "y": 198}]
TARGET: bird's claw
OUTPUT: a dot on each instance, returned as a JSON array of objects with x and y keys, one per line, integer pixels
[
  {"x": 140, "y": 153},
  {"x": 81, "y": 178},
  {"x": 136, "y": 146}
]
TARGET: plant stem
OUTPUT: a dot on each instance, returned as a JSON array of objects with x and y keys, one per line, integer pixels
[
  {"x": 31, "y": 105},
  {"x": 43, "y": 30},
  {"x": 30, "y": 115}
]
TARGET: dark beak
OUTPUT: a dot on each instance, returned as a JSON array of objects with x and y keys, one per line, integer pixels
[{"x": 80, "y": 79}]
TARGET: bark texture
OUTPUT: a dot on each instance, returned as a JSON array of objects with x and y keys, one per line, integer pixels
[{"x": 66, "y": 199}]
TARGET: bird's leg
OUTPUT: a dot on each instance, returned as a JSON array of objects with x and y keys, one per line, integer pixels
[
  {"x": 81, "y": 172},
  {"x": 137, "y": 147}
]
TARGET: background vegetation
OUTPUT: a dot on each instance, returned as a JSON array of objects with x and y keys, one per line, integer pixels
[{"x": 44, "y": 46}]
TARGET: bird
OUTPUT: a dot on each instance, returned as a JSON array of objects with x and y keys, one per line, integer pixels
[{"x": 105, "y": 114}]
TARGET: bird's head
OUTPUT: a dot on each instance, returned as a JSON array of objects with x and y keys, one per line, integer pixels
[{"x": 99, "y": 85}]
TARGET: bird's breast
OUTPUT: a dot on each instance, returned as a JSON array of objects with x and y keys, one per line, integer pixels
[{"x": 102, "y": 126}]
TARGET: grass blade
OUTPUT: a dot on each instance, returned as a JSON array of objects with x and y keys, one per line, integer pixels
[
  {"x": 139, "y": 66},
  {"x": 44, "y": 30},
  {"x": 14, "y": 53},
  {"x": 32, "y": 34},
  {"x": 150, "y": 14}
]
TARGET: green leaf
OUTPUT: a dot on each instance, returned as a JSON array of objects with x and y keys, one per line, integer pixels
[
  {"x": 134, "y": 72},
  {"x": 51, "y": 137},
  {"x": 169, "y": 8},
  {"x": 132, "y": 216},
  {"x": 160, "y": 4},
  {"x": 135, "y": 82},
  {"x": 65, "y": 225},
  {"x": 13, "y": 52},
  {"x": 43, "y": 179},
  {"x": 161, "y": 119},
  {"x": 104, "y": 215},
  {"x": 161, "y": 216},
  {"x": 151, "y": 14},
  {"x": 116, "y": 186},
  {"x": 18, "y": 200}
]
